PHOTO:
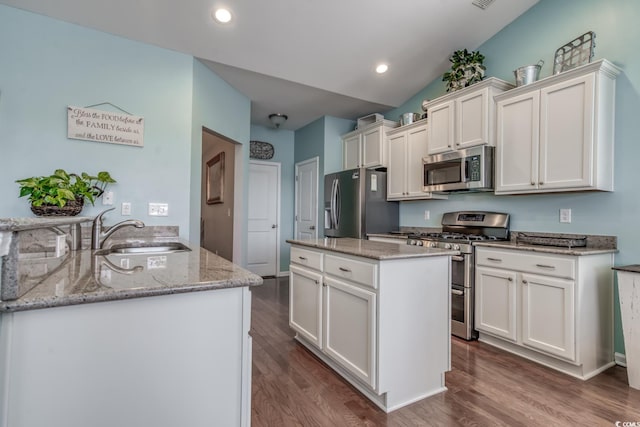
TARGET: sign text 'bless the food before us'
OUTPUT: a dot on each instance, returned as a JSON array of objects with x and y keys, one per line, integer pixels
[{"x": 105, "y": 126}]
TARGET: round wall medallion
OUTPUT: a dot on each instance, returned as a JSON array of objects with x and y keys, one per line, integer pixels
[{"x": 260, "y": 150}]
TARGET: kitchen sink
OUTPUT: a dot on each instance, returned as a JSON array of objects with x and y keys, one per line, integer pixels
[{"x": 144, "y": 248}]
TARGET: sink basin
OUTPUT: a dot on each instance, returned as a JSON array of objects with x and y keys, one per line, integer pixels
[{"x": 144, "y": 249}]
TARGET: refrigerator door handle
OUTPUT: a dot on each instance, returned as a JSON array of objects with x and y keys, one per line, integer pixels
[
  {"x": 336, "y": 212},
  {"x": 332, "y": 204}
]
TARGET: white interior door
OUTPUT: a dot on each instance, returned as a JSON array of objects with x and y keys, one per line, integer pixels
[
  {"x": 306, "y": 223},
  {"x": 263, "y": 235}
]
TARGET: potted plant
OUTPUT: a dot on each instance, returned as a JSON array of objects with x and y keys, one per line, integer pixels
[
  {"x": 466, "y": 69},
  {"x": 63, "y": 193}
]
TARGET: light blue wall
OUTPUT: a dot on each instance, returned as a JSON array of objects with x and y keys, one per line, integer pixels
[
  {"x": 283, "y": 144},
  {"x": 334, "y": 128},
  {"x": 222, "y": 109},
  {"x": 321, "y": 138},
  {"x": 48, "y": 64},
  {"x": 536, "y": 35}
]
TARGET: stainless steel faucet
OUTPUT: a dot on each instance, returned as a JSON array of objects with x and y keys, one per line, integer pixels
[{"x": 98, "y": 237}]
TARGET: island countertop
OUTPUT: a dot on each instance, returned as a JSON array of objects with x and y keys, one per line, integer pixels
[
  {"x": 370, "y": 249},
  {"x": 83, "y": 277}
]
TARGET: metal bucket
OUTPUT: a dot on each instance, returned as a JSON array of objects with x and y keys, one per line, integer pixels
[
  {"x": 408, "y": 118},
  {"x": 528, "y": 74}
]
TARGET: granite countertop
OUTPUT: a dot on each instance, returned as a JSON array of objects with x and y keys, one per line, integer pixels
[
  {"x": 576, "y": 251},
  {"x": 369, "y": 249},
  {"x": 30, "y": 223},
  {"x": 634, "y": 268},
  {"x": 402, "y": 236},
  {"x": 82, "y": 277}
]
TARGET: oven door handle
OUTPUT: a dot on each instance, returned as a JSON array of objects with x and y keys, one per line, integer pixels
[
  {"x": 457, "y": 292},
  {"x": 457, "y": 258}
]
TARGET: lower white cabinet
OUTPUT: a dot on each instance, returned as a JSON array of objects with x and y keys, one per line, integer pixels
[
  {"x": 305, "y": 303},
  {"x": 350, "y": 326},
  {"x": 383, "y": 325},
  {"x": 554, "y": 309},
  {"x": 162, "y": 361}
]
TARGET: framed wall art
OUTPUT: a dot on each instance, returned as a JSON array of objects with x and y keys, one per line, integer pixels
[{"x": 215, "y": 179}]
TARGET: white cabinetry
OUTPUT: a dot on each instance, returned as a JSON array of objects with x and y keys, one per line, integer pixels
[
  {"x": 554, "y": 309},
  {"x": 366, "y": 147},
  {"x": 383, "y": 325},
  {"x": 464, "y": 118},
  {"x": 557, "y": 134},
  {"x": 407, "y": 147},
  {"x": 123, "y": 363}
]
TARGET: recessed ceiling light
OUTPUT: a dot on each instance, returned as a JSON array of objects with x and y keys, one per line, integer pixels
[
  {"x": 382, "y": 68},
  {"x": 222, "y": 15}
]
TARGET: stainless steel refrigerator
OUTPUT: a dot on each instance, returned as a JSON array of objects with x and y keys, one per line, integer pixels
[{"x": 355, "y": 204}]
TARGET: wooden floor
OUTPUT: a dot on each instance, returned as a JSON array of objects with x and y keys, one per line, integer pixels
[{"x": 487, "y": 386}]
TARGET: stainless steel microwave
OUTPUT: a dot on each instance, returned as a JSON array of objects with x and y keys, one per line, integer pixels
[{"x": 470, "y": 169}]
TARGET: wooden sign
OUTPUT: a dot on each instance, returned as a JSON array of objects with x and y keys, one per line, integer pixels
[{"x": 105, "y": 126}]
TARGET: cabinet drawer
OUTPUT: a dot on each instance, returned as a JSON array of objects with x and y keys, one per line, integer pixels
[
  {"x": 356, "y": 271},
  {"x": 307, "y": 258},
  {"x": 548, "y": 265}
]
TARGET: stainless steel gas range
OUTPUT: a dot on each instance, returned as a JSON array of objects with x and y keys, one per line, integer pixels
[{"x": 459, "y": 231}]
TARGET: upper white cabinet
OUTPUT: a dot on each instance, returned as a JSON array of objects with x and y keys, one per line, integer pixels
[
  {"x": 464, "y": 118},
  {"x": 407, "y": 146},
  {"x": 557, "y": 134},
  {"x": 366, "y": 147}
]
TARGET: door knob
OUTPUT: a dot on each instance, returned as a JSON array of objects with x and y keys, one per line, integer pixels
[{"x": 274, "y": 226}]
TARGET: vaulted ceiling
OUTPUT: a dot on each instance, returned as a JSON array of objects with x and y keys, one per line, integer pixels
[{"x": 304, "y": 58}]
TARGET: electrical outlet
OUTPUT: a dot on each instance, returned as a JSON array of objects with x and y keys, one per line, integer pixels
[
  {"x": 126, "y": 208},
  {"x": 427, "y": 215},
  {"x": 565, "y": 215},
  {"x": 107, "y": 198},
  {"x": 158, "y": 209}
]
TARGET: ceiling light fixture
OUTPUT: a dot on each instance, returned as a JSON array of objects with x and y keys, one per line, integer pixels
[
  {"x": 382, "y": 68},
  {"x": 222, "y": 15},
  {"x": 278, "y": 119}
]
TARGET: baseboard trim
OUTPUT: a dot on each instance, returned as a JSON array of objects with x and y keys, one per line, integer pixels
[{"x": 620, "y": 359}]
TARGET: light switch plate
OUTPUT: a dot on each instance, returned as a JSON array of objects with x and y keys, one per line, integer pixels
[
  {"x": 107, "y": 198},
  {"x": 126, "y": 208}
]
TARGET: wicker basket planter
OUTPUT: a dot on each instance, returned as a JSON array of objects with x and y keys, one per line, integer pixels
[{"x": 72, "y": 208}]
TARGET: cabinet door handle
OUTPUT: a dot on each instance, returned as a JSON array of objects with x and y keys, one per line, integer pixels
[
  {"x": 524, "y": 282},
  {"x": 510, "y": 279},
  {"x": 346, "y": 270},
  {"x": 552, "y": 267},
  {"x": 302, "y": 258},
  {"x": 313, "y": 227},
  {"x": 533, "y": 183},
  {"x": 494, "y": 259},
  {"x": 541, "y": 183},
  {"x": 317, "y": 282}
]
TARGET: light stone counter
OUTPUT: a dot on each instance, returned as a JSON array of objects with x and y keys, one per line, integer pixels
[
  {"x": 82, "y": 277},
  {"x": 370, "y": 249},
  {"x": 578, "y": 251}
]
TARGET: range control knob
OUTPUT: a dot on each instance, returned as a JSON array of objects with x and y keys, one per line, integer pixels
[
  {"x": 412, "y": 242},
  {"x": 420, "y": 243},
  {"x": 456, "y": 247},
  {"x": 447, "y": 245},
  {"x": 433, "y": 244}
]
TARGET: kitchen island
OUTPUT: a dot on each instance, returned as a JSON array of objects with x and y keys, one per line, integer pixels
[
  {"x": 377, "y": 313},
  {"x": 156, "y": 339}
]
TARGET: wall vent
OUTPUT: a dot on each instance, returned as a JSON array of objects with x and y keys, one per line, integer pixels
[{"x": 482, "y": 4}]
